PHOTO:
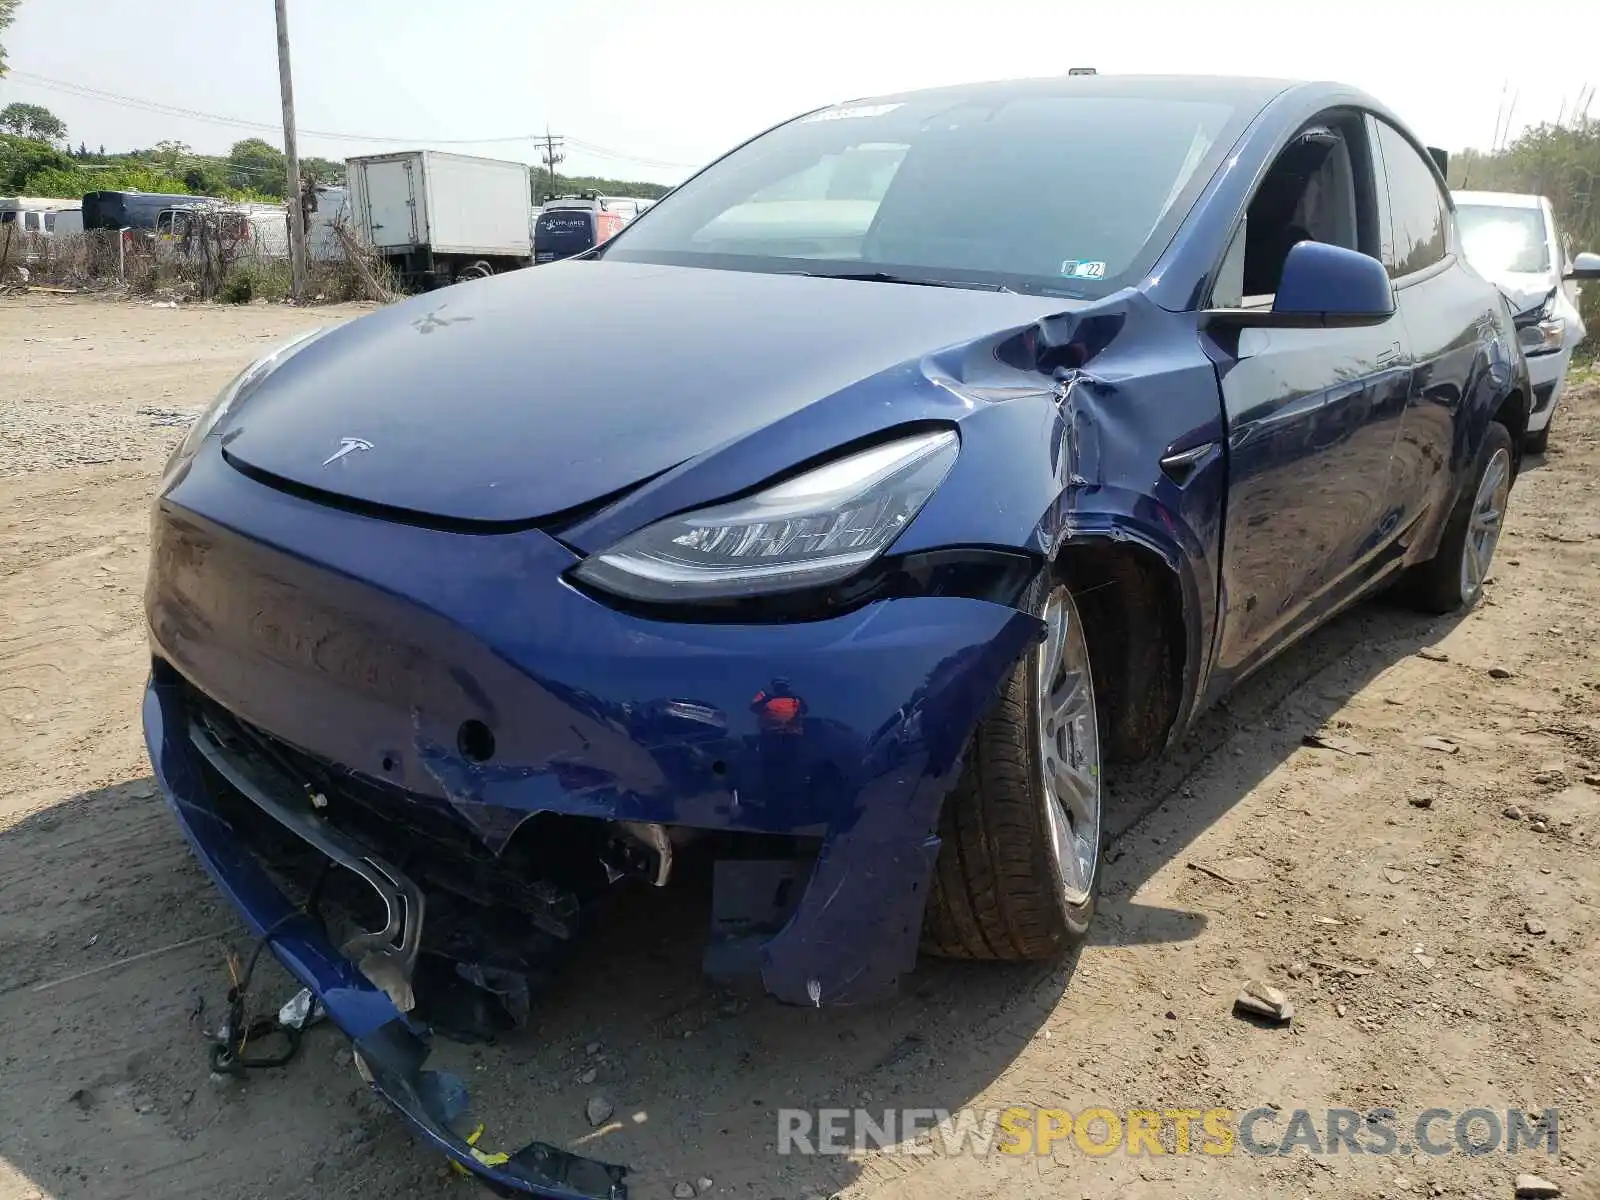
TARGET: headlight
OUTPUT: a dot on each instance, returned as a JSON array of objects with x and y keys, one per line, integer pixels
[
  {"x": 816, "y": 528},
  {"x": 239, "y": 387},
  {"x": 1548, "y": 335}
]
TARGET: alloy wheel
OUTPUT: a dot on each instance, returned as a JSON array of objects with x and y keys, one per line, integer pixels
[
  {"x": 1484, "y": 524},
  {"x": 1069, "y": 747}
]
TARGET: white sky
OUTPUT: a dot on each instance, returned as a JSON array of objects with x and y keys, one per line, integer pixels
[{"x": 680, "y": 81}]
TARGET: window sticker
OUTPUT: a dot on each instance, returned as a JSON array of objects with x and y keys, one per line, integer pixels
[
  {"x": 845, "y": 112},
  {"x": 1083, "y": 268}
]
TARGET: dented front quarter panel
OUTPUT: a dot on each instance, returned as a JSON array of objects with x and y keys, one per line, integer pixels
[{"x": 1068, "y": 450}]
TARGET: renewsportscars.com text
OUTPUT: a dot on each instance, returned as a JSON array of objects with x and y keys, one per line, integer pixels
[{"x": 1101, "y": 1131}]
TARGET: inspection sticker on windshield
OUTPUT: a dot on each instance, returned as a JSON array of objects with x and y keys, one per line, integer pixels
[
  {"x": 844, "y": 112},
  {"x": 1083, "y": 268}
]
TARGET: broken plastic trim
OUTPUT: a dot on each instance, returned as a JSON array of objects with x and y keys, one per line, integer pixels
[
  {"x": 391, "y": 1059},
  {"x": 388, "y": 956},
  {"x": 390, "y": 1051}
]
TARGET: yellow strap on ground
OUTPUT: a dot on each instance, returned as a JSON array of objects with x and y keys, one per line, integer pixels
[{"x": 488, "y": 1160}]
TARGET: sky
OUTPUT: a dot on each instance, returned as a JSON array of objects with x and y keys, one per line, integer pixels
[{"x": 653, "y": 88}]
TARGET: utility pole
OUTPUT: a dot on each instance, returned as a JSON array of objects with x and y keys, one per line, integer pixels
[
  {"x": 291, "y": 159},
  {"x": 552, "y": 156}
]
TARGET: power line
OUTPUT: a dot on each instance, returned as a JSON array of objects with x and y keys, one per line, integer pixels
[{"x": 173, "y": 110}]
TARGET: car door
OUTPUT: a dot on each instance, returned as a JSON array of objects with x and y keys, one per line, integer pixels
[
  {"x": 1312, "y": 414},
  {"x": 1445, "y": 309}
]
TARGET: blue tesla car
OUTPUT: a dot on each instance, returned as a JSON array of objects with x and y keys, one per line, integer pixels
[{"x": 819, "y": 537}]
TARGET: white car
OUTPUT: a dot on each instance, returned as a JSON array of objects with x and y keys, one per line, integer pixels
[{"x": 1511, "y": 240}]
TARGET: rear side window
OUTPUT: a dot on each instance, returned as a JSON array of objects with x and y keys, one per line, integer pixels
[{"x": 1417, "y": 209}]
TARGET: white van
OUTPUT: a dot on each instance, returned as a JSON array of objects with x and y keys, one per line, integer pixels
[
  {"x": 1511, "y": 240},
  {"x": 64, "y": 221},
  {"x": 35, "y": 214},
  {"x": 252, "y": 230}
]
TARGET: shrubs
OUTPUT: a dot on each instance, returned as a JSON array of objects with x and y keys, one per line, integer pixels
[{"x": 202, "y": 268}]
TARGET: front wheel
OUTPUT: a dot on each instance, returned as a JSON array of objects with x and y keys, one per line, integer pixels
[
  {"x": 1019, "y": 866},
  {"x": 1453, "y": 578}
]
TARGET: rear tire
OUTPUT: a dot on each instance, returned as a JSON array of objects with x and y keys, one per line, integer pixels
[
  {"x": 1538, "y": 443},
  {"x": 1018, "y": 870},
  {"x": 1453, "y": 578},
  {"x": 477, "y": 270}
]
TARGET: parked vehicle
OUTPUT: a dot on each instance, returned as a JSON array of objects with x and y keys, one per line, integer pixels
[
  {"x": 249, "y": 230},
  {"x": 133, "y": 210},
  {"x": 32, "y": 214},
  {"x": 64, "y": 220},
  {"x": 26, "y": 221},
  {"x": 571, "y": 225},
  {"x": 442, "y": 218},
  {"x": 333, "y": 209},
  {"x": 1512, "y": 239},
  {"x": 847, "y": 564}
]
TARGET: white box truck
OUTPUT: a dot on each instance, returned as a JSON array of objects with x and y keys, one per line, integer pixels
[{"x": 441, "y": 218}]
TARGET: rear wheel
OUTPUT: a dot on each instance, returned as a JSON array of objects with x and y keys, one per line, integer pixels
[
  {"x": 1019, "y": 866},
  {"x": 1453, "y": 578},
  {"x": 1538, "y": 443},
  {"x": 477, "y": 270}
]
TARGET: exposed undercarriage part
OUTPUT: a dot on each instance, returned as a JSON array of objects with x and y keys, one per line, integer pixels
[{"x": 461, "y": 938}]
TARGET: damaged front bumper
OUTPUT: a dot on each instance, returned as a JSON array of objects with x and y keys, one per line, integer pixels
[
  {"x": 461, "y": 671},
  {"x": 453, "y": 690},
  {"x": 391, "y": 1051}
]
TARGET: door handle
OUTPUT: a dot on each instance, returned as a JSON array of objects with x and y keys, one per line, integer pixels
[
  {"x": 1180, "y": 467},
  {"x": 1388, "y": 354}
]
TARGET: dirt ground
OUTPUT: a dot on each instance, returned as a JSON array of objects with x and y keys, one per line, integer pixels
[{"x": 1430, "y": 907}]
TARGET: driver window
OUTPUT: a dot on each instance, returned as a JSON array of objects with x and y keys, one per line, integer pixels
[{"x": 1319, "y": 189}]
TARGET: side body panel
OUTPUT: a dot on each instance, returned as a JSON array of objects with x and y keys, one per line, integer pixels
[
  {"x": 1313, "y": 415},
  {"x": 476, "y": 205}
]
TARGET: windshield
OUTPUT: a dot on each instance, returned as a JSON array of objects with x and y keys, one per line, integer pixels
[
  {"x": 1498, "y": 240},
  {"x": 1066, "y": 194}
]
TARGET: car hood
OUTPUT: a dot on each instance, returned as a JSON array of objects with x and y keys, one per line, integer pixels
[
  {"x": 1524, "y": 288},
  {"x": 539, "y": 391}
]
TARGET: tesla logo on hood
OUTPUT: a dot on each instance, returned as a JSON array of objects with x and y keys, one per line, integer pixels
[{"x": 347, "y": 446}]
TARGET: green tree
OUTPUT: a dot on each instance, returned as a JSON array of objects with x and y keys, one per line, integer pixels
[
  {"x": 254, "y": 164},
  {"x": 8, "y": 10},
  {"x": 171, "y": 155},
  {"x": 32, "y": 121},
  {"x": 23, "y": 158},
  {"x": 326, "y": 171}
]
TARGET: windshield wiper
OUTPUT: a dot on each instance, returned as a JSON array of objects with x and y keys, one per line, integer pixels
[{"x": 890, "y": 277}]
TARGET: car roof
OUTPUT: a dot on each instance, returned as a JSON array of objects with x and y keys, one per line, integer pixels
[
  {"x": 1499, "y": 199},
  {"x": 1244, "y": 91}
]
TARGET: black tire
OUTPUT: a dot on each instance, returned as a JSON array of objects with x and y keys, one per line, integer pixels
[
  {"x": 1538, "y": 443},
  {"x": 996, "y": 893},
  {"x": 476, "y": 270},
  {"x": 1435, "y": 586}
]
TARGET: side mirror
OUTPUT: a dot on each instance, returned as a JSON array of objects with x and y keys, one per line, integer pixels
[
  {"x": 1322, "y": 286},
  {"x": 1585, "y": 266}
]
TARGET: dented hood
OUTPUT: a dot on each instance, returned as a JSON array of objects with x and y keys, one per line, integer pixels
[{"x": 544, "y": 389}]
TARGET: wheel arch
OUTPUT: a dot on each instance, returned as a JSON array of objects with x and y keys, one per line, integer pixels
[
  {"x": 1514, "y": 411},
  {"x": 1141, "y": 615}
]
